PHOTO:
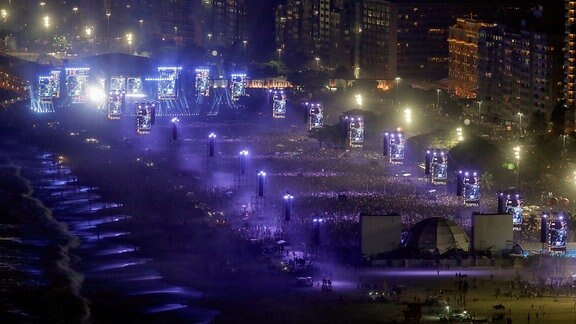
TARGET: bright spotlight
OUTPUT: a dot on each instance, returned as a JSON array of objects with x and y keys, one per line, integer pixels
[
  {"x": 408, "y": 115},
  {"x": 96, "y": 94},
  {"x": 359, "y": 99}
]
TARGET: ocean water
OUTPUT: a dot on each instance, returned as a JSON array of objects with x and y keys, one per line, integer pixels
[
  {"x": 66, "y": 245},
  {"x": 35, "y": 263}
]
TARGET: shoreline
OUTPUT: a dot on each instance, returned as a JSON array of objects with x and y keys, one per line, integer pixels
[
  {"x": 45, "y": 238},
  {"x": 234, "y": 281},
  {"x": 216, "y": 292}
]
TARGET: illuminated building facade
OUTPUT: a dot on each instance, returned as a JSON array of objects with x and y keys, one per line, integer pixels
[
  {"x": 520, "y": 68},
  {"x": 175, "y": 19},
  {"x": 353, "y": 34},
  {"x": 376, "y": 55},
  {"x": 423, "y": 29},
  {"x": 225, "y": 22},
  {"x": 570, "y": 55},
  {"x": 316, "y": 28},
  {"x": 422, "y": 34},
  {"x": 463, "y": 57}
]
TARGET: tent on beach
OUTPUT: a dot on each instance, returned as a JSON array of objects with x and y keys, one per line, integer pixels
[{"x": 437, "y": 235}]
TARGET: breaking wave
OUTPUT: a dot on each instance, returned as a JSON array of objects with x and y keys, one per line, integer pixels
[{"x": 49, "y": 290}]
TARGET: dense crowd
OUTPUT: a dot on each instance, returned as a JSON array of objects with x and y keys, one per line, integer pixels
[{"x": 337, "y": 186}]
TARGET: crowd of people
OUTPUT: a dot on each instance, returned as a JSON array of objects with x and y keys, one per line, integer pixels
[{"x": 336, "y": 186}]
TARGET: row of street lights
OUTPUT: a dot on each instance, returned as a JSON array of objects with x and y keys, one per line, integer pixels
[
  {"x": 47, "y": 24},
  {"x": 244, "y": 154},
  {"x": 287, "y": 197}
]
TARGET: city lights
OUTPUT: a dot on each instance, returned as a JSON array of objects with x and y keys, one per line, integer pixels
[
  {"x": 516, "y": 150},
  {"x": 211, "y": 144},
  {"x": 108, "y": 14},
  {"x": 243, "y": 161},
  {"x": 288, "y": 201},
  {"x": 129, "y": 40},
  {"x": 408, "y": 115},
  {"x": 459, "y": 134},
  {"x": 96, "y": 94},
  {"x": 261, "y": 177},
  {"x": 175, "y": 122},
  {"x": 359, "y": 100},
  {"x": 368, "y": 154}
]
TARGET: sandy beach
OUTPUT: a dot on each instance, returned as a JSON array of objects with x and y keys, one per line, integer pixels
[{"x": 149, "y": 241}]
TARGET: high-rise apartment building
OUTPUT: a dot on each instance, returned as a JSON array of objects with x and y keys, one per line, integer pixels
[
  {"x": 463, "y": 55},
  {"x": 423, "y": 30},
  {"x": 422, "y": 34},
  {"x": 293, "y": 26},
  {"x": 519, "y": 69},
  {"x": 208, "y": 23},
  {"x": 359, "y": 35},
  {"x": 377, "y": 40},
  {"x": 570, "y": 55},
  {"x": 225, "y": 22},
  {"x": 173, "y": 19},
  {"x": 318, "y": 28}
]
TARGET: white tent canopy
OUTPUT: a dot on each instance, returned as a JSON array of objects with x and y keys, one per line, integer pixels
[{"x": 437, "y": 234}]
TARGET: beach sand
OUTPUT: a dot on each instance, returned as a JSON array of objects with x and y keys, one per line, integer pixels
[{"x": 152, "y": 178}]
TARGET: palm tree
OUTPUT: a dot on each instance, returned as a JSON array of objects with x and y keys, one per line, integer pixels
[{"x": 486, "y": 181}]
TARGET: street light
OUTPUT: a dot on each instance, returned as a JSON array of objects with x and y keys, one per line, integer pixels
[
  {"x": 316, "y": 235},
  {"x": 480, "y": 108},
  {"x": 459, "y": 135},
  {"x": 520, "y": 122},
  {"x": 209, "y": 40},
  {"x": 563, "y": 145},
  {"x": 438, "y": 98},
  {"x": 211, "y": 144},
  {"x": 75, "y": 9},
  {"x": 175, "y": 32},
  {"x": 397, "y": 79},
  {"x": 408, "y": 115},
  {"x": 317, "y": 63},
  {"x": 46, "y": 20},
  {"x": 88, "y": 31},
  {"x": 288, "y": 199},
  {"x": 4, "y": 14},
  {"x": 279, "y": 54},
  {"x": 244, "y": 42},
  {"x": 261, "y": 177},
  {"x": 175, "y": 128},
  {"x": 108, "y": 14},
  {"x": 141, "y": 21},
  {"x": 359, "y": 100},
  {"x": 543, "y": 230},
  {"x": 517, "y": 156},
  {"x": 243, "y": 161},
  {"x": 129, "y": 39}
]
